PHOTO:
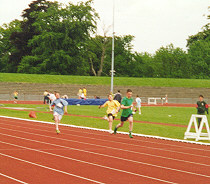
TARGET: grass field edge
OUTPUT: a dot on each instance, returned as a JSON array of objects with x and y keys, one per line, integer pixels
[{"x": 104, "y": 130}]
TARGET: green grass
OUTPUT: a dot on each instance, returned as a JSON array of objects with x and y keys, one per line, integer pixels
[
  {"x": 118, "y": 81},
  {"x": 179, "y": 116}
]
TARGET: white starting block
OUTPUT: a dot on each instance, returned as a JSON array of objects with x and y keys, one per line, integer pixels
[
  {"x": 153, "y": 101},
  {"x": 197, "y": 135}
]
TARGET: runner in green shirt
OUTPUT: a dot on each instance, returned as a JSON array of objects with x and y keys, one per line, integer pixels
[{"x": 126, "y": 105}]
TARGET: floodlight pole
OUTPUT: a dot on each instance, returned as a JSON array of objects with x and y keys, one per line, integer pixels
[{"x": 112, "y": 67}]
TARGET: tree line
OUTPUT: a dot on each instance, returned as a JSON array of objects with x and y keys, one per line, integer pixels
[{"x": 53, "y": 38}]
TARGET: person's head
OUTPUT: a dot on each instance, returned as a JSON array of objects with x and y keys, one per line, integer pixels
[
  {"x": 110, "y": 97},
  {"x": 137, "y": 95},
  {"x": 118, "y": 91},
  {"x": 201, "y": 97},
  {"x": 129, "y": 93},
  {"x": 57, "y": 95}
]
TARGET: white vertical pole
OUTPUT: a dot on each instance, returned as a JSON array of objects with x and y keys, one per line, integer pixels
[{"x": 112, "y": 67}]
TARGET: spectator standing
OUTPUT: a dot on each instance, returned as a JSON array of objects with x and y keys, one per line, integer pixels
[
  {"x": 202, "y": 107},
  {"x": 118, "y": 96},
  {"x": 46, "y": 99},
  {"x": 166, "y": 99},
  {"x": 79, "y": 93},
  {"x": 65, "y": 97},
  {"x": 15, "y": 96},
  {"x": 52, "y": 98},
  {"x": 138, "y": 103},
  {"x": 85, "y": 92},
  {"x": 96, "y": 97}
]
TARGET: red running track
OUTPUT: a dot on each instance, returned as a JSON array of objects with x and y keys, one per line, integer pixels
[{"x": 31, "y": 152}]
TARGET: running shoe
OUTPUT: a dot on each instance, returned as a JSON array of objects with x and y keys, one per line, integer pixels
[
  {"x": 58, "y": 131},
  {"x": 105, "y": 118},
  {"x": 130, "y": 135},
  {"x": 111, "y": 131},
  {"x": 115, "y": 130}
]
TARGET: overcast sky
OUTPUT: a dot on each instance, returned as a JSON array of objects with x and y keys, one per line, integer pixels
[{"x": 154, "y": 23}]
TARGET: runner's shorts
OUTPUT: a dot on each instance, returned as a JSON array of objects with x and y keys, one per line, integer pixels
[{"x": 58, "y": 115}]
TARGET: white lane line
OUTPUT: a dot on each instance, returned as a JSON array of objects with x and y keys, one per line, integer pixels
[
  {"x": 196, "y": 155},
  {"x": 19, "y": 181},
  {"x": 152, "y": 165},
  {"x": 140, "y": 146},
  {"x": 49, "y": 168},
  {"x": 106, "y": 167},
  {"x": 95, "y": 133},
  {"x": 103, "y": 130}
]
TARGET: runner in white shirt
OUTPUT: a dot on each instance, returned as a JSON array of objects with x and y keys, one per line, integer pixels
[{"x": 138, "y": 103}]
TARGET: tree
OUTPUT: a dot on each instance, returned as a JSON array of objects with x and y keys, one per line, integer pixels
[
  {"x": 6, "y": 47},
  {"x": 96, "y": 53},
  {"x": 199, "y": 52},
  {"x": 21, "y": 38},
  {"x": 144, "y": 65},
  {"x": 171, "y": 62},
  {"x": 64, "y": 32}
]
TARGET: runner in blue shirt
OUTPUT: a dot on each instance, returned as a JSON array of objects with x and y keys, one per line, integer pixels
[{"x": 59, "y": 110}]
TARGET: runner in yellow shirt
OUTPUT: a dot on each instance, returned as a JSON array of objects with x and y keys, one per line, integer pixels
[{"x": 112, "y": 110}]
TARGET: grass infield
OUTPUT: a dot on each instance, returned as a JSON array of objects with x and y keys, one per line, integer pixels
[
  {"x": 174, "y": 119},
  {"x": 118, "y": 81}
]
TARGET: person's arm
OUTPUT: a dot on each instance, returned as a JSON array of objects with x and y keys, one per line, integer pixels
[
  {"x": 207, "y": 108},
  {"x": 197, "y": 105},
  {"x": 104, "y": 105},
  {"x": 50, "y": 106},
  {"x": 118, "y": 109},
  {"x": 117, "y": 104},
  {"x": 126, "y": 107},
  {"x": 65, "y": 109}
]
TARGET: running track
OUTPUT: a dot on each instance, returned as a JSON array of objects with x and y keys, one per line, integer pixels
[{"x": 31, "y": 152}]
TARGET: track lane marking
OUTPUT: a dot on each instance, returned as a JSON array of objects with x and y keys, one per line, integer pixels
[
  {"x": 19, "y": 181},
  {"x": 90, "y": 163},
  {"x": 103, "y": 130},
  {"x": 117, "y": 148},
  {"x": 162, "y": 167},
  {"x": 95, "y": 133},
  {"x": 49, "y": 168}
]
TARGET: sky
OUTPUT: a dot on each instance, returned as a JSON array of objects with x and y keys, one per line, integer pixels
[{"x": 153, "y": 23}]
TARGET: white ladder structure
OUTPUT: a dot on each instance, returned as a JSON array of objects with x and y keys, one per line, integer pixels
[{"x": 197, "y": 135}]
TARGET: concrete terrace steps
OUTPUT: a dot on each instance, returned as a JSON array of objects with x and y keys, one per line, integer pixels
[{"x": 100, "y": 90}]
